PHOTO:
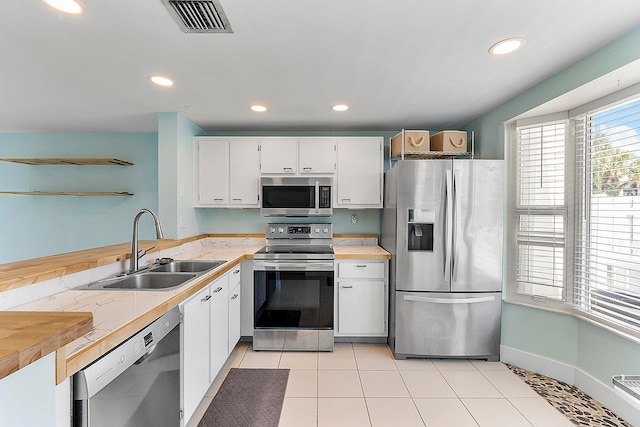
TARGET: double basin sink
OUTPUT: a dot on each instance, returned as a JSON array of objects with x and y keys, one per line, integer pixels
[{"x": 163, "y": 276}]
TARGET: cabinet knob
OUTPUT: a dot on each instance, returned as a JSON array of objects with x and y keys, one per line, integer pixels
[
  {"x": 206, "y": 298},
  {"x": 236, "y": 272},
  {"x": 307, "y": 169},
  {"x": 234, "y": 296},
  {"x": 237, "y": 200},
  {"x": 216, "y": 290},
  {"x": 347, "y": 286},
  {"x": 361, "y": 265},
  {"x": 288, "y": 170}
]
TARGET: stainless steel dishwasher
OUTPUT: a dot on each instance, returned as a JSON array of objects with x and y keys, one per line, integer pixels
[{"x": 136, "y": 384}]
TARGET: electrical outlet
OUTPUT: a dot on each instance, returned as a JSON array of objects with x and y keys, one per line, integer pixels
[
  {"x": 354, "y": 219},
  {"x": 183, "y": 222}
]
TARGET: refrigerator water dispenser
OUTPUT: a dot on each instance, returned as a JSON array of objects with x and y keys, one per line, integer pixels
[{"x": 420, "y": 230}]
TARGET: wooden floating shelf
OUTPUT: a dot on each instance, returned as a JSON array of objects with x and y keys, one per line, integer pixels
[
  {"x": 68, "y": 161},
  {"x": 69, "y": 193}
]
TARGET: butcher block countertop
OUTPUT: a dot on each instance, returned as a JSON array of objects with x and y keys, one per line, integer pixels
[
  {"x": 28, "y": 336},
  {"x": 118, "y": 314}
]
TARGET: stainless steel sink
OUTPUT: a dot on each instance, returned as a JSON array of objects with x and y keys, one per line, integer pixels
[
  {"x": 151, "y": 281},
  {"x": 160, "y": 277},
  {"x": 187, "y": 266}
]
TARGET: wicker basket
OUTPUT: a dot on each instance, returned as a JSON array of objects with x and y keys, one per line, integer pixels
[
  {"x": 450, "y": 141},
  {"x": 414, "y": 141}
]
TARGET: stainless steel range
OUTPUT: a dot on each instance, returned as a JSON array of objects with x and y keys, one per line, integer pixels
[{"x": 293, "y": 289}]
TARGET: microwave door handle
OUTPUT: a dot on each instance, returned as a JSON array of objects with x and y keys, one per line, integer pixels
[{"x": 317, "y": 197}]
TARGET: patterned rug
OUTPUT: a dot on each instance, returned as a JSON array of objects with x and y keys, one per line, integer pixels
[
  {"x": 248, "y": 398},
  {"x": 580, "y": 408}
]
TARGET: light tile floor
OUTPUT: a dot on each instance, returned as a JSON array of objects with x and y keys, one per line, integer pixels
[{"x": 363, "y": 385}]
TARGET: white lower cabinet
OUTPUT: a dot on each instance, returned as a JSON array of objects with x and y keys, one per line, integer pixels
[
  {"x": 234, "y": 308},
  {"x": 361, "y": 298},
  {"x": 194, "y": 363},
  {"x": 204, "y": 336},
  {"x": 246, "y": 296},
  {"x": 219, "y": 331},
  {"x": 210, "y": 331}
]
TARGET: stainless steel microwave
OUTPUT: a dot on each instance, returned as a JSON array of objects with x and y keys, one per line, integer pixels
[{"x": 296, "y": 196}]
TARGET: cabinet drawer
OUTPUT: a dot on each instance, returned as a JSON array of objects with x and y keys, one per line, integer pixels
[
  {"x": 234, "y": 277},
  {"x": 361, "y": 270}
]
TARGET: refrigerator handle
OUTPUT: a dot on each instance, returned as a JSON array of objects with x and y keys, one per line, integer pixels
[
  {"x": 450, "y": 300},
  {"x": 454, "y": 236},
  {"x": 449, "y": 228}
]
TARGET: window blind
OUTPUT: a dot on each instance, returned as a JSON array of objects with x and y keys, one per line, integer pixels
[
  {"x": 607, "y": 250},
  {"x": 541, "y": 210}
]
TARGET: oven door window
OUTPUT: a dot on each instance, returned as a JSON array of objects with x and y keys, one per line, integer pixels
[
  {"x": 293, "y": 196},
  {"x": 293, "y": 299}
]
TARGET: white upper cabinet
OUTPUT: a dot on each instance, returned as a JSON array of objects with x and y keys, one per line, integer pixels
[
  {"x": 244, "y": 166},
  {"x": 292, "y": 155},
  {"x": 212, "y": 164},
  {"x": 226, "y": 172},
  {"x": 359, "y": 173},
  {"x": 279, "y": 156},
  {"x": 317, "y": 155}
]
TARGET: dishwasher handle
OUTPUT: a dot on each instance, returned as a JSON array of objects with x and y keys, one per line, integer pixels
[{"x": 147, "y": 355}]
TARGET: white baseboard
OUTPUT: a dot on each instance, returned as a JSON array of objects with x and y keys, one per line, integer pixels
[
  {"x": 626, "y": 407},
  {"x": 541, "y": 365}
]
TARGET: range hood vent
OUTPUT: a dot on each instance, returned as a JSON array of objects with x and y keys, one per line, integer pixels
[{"x": 199, "y": 16}]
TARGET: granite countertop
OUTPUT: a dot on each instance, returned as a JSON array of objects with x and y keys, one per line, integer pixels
[{"x": 120, "y": 314}]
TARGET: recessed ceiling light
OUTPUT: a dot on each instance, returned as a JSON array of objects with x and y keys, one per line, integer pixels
[
  {"x": 161, "y": 80},
  {"x": 67, "y": 6},
  {"x": 506, "y": 46},
  {"x": 340, "y": 107},
  {"x": 258, "y": 108}
]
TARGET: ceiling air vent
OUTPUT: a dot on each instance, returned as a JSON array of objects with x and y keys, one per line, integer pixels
[{"x": 199, "y": 16}]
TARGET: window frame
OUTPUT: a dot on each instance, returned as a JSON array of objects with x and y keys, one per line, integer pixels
[
  {"x": 568, "y": 305},
  {"x": 514, "y": 210}
]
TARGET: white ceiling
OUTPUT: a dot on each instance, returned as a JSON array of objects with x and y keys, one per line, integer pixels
[{"x": 398, "y": 63}]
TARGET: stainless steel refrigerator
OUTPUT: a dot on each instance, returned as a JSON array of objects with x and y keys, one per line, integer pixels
[{"x": 442, "y": 222}]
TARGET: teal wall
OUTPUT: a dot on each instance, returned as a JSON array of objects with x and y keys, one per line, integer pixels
[
  {"x": 36, "y": 226},
  {"x": 545, "y": 333},
  {"x": 560, "y": 337},
  {"x": 175, "y": 176}
]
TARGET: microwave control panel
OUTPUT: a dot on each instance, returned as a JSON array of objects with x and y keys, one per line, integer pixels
[{"x": 325, "y": 197}]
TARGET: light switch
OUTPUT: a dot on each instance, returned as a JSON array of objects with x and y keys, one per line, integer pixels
[{"x": 183, "y": 222}]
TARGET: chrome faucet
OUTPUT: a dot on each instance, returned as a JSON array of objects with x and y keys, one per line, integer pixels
[{"x": 133, "y": 261}]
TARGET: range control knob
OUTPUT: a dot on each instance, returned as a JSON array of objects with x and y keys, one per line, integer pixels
[
  {"x": 272, "y": 230},
  {"x": 280, "y": 229},
  {"x": 325, "y": 230},
  {"x": 317, "y": 230}
]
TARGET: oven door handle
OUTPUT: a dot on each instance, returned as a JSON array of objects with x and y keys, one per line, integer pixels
[{"x": 292, "y": 266}]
